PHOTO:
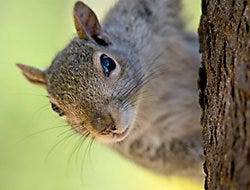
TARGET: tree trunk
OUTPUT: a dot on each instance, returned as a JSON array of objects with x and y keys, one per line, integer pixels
[{"x": 225, "y": 93}]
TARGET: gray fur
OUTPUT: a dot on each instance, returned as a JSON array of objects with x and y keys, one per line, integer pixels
[
  {"x": 167, "y": 133},
  {"x": 155, "y": 92}
]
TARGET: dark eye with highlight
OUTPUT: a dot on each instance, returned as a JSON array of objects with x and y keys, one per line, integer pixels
[
  {"x": 108, "y": 64},
  {"x": 57, "y": 109}
]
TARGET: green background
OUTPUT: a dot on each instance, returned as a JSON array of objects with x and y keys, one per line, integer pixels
[{"x": 37, "y": 149}]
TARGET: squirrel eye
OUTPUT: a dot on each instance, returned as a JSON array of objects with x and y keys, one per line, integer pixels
[
  {"x": 57, "y": 109},
  {"x": 108, "y": 64}
]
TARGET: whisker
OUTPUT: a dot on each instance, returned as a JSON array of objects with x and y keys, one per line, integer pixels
[
  {"x": 83, "y": 139},
  {"x": 29, "y": 94},
  {"x": 39, "y": 132},
  {"x": 75, "y": 150},
  {"x": 41, "y": 109},
  {"x": 65, "y": 131},
  {"x": 84, "y": 160},
  {"x": 92, "y": 139},
  {"x": 143, "y": 81},
  {"x": 60, "y": 142},
  {"x": 76, "y": 146},
  {"x": 87, "y": 152}
]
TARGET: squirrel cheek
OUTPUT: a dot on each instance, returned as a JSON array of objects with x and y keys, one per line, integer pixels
[{"x": 127, "y": 117}]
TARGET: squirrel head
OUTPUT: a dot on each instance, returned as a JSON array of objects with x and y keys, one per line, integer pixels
[{"x": 93, "y": 86}]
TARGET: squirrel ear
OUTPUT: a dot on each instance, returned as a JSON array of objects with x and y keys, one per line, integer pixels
[
  {"x": 34, "y": 75},
  {"x": 87, "y": 24}
]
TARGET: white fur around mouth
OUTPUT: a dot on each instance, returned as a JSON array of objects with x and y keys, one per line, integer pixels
[
  {"x": 113, "y": 137},
  {"x": 120, "y": 136}
]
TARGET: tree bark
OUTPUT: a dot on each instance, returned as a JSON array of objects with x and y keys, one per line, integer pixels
[{"x": 225, "y": 93}]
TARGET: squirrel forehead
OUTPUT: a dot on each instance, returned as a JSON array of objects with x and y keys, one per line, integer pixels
[
  {"x": 78, "y": 49},
  {"x": 75, "y": 57},
  {"x": 73, "y": 69}
]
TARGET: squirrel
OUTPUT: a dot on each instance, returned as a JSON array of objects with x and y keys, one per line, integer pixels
[{"x": 130, "y": 82}]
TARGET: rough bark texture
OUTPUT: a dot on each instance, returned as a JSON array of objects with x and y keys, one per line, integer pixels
[{"x": 225, "y": 93}]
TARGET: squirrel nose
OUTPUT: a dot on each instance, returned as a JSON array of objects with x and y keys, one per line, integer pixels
[
  {"x": 110, "y": 122},
  {"x": 113, "y": 128}
]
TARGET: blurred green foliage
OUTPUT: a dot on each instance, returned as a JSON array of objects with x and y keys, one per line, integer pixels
[{"x": 37, "y": 150}]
